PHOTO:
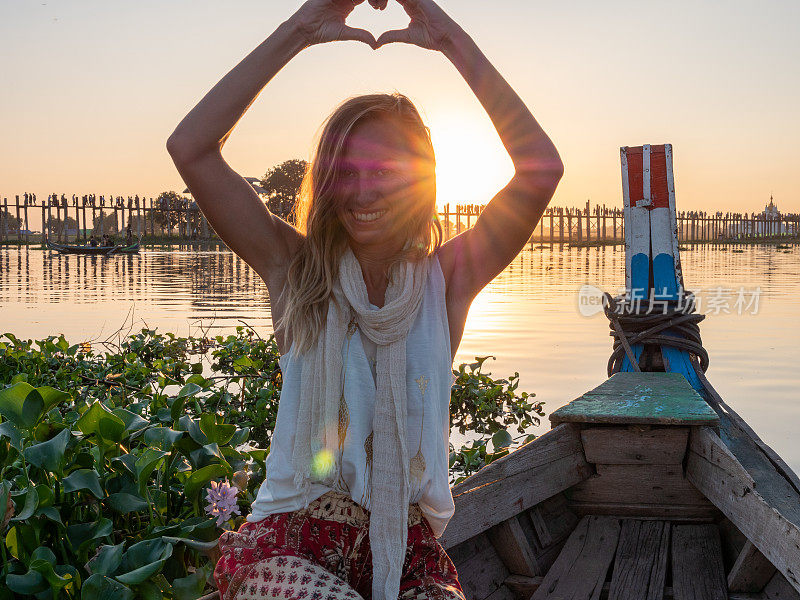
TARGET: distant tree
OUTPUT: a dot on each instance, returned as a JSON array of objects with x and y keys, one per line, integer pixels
[
  {"x": 166, "y": 213},
  {"x": 282, "y": 186},
  {"x": 109, "y": 222},
  {"x": 9, "y": 221}
]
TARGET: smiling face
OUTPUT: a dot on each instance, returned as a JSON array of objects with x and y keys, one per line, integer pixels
[{"x": 382, "y": 186}]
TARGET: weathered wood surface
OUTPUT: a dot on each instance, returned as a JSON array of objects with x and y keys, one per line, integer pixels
[
  {"x": 751, "y": 571},
  {"x": 779, "y": 588},
  {"x": 552, "y": 520},
  {"x": 635, "y": 445},
  {"x": 480, "y": 570},
  {"x": 697, "y": 570},
  {"x": 512, "y": 547},
  {"x": 580, "y": 570},
  {"x": 638, "y": 484},
  {"x": 639, "y": 398},
  {"x": 640, "y": 568},
  {"x": 764, "y": 511},
  {"x": 523, "y": 587},
  {"x": 704, "y": 513},
  {"x": 536, "y": 471}
]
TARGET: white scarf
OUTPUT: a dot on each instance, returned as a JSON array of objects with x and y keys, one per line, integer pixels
[{"x": 321, "y": 388}]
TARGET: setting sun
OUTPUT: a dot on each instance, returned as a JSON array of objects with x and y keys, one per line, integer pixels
[{"x": 471, "y": 163}]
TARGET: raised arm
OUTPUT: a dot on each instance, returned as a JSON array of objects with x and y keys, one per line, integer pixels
[
  {"x": 229, "y": 203},
  {"x": 474, "y": 258}
]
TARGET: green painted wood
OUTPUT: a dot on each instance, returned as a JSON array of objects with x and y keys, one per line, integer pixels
[{"x": 639, "y": 398}]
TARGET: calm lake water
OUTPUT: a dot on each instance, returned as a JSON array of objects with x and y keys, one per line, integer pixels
[{"x": 528, "y": 318}]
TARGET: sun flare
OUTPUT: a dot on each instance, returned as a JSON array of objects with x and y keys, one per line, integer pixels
[{"x": 471, "y": 163}]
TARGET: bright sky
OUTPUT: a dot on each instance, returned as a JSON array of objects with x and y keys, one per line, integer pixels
[{"x": 91, "y": 89}]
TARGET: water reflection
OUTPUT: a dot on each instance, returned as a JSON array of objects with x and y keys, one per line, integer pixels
[{"x": 527, "y": 317}]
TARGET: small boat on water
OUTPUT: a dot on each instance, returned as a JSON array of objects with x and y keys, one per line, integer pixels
[
  {"x": 649, "y": 486},
  {"x": 98, "y": 250}
]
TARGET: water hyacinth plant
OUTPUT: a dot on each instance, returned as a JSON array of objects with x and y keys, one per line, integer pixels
[
  {"x": 122, "y": 462},
  {"x": 222, "y": 504}
]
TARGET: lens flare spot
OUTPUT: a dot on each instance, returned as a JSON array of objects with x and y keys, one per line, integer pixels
[{"x": 322, "y": 464}]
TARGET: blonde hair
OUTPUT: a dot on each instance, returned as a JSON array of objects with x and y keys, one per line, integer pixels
[{"x": 315, "y": 268}]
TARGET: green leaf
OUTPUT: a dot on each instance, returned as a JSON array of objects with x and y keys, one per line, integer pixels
[
  {"x": 501, "y": 439},
  {"x": 126, "y": 503},
  {"x": 190, "y": 389},
  {"x": 50, "y": 513},
  {"x": 84, "y": 479},
  {"x": 102, "y": 422},
  {"x": 45, "y": 567},
  {"x": 81, "y": 534},
  {"x": 132, "y": 421},
  {"x": 146, "y": 464},
  {"x": 31, "y": 502},
  {"x": 100, "y": 587},
  {"x": 32, "y": 409},
  {"x": 216, "y": 432},
  {"x": 240, "y": 437},
  {"x": 12, "y": 399},
  {"x": 163, "y": 437},
  {"x": 108, "y": 559},
  {"x": 176, "y": 410},
  {"x": 205, "y": 455},
  {"x": 186, "y": 423},
  {"x": 52, "y": 396},
  {"x": 190, "y": 587},
  {"x": 143, "y": 560},
  {"x": 30, "y": 583},
  {"x": 48, "y": 455},
  {"x": 10, "y": 431},
  {"x": 200, "y": 478},
  {"x": 196, "y": 544}
]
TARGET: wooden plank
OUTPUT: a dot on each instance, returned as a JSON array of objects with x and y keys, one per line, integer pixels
[
  {"x": 634, "y": 445},
  {"x": 512, "y": 547},
  {"x": 538, "y": 470},
  {"x": 580, "y": 569},
  {"x": 732, "y": 539},
  {"x": 638, "y": 484},
  {"x": 483, "y": 573},
  {"x": 640, "y": 568},
  {"x": 704, "y": 513},
  {"x": 697, "y": 571},
  {"x": 779, "y": 588},
  {"x": 523, "y": 586},
  {"x": 639, "y": 398},
  {"x": 772, "y": 526},
  {"x": 502, "y": 593},
  {"x": 751, "y": 571},
  {"x": 548, "y": 447},
  {"x": 552, "y": 520}
]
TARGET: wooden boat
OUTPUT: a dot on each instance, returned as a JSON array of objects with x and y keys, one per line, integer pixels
[
  {"x": 648, "y": 486},
  {"x": 98, "y": 250}
]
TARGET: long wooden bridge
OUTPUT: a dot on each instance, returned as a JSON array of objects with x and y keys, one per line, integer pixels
[{"x": 76, "y": 218}]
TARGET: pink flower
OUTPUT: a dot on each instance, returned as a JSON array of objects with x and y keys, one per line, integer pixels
[{"x": 222, "y": 501}]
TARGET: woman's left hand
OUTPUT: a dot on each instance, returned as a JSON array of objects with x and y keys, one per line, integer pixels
[{"x": 430, "y": 26}]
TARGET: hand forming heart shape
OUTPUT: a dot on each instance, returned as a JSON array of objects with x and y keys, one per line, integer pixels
[{"x": 322, "y": 21}]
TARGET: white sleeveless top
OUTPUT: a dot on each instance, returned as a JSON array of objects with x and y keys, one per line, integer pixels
[{"x": 429, "y": 378}]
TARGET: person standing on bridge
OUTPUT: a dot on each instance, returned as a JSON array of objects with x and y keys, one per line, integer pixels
[{"x": 369, "y": 307}]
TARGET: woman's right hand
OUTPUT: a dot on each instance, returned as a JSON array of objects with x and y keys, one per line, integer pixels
[{"x": 321, "y": 21}]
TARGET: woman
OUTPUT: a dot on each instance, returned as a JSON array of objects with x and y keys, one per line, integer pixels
[{"x": 369, "y": 308}]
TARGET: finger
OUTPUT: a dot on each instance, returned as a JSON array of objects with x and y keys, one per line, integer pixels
[
  {"x": 393, "y": 36},
  {"x": 358, "y": 35}
]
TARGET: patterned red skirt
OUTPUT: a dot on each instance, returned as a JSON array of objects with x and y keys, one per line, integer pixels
[{"x": 322, "y": 552}]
